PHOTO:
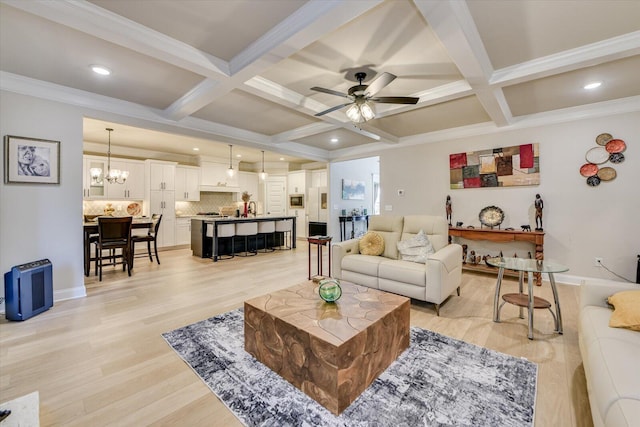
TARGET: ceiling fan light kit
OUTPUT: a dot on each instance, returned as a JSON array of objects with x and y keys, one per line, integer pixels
[{"x": 361, "y": 106}]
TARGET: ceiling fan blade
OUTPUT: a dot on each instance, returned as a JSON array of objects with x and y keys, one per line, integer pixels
[
  {"x": 380, "y": 82},
  {"x": 329, "y": 91},
  {"x": 337, "y": 107},
  {"x": 395, "y": 100}
]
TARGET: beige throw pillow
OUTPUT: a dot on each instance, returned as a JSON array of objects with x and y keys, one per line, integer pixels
[
  {"x": 416, "y": 249},
  {"x": 371, "y": 244},
  {"x": 626, "y": 313}
]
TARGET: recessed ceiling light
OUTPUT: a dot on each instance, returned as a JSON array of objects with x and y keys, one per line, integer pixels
[
  {"x": 196, "y": 149},
  {"x": 334, "y": 140},
  {"x": 99, "y": 69},
  {"x": 592, "y": 85},
  {"x": 238, "y": 155},
  {"x": 281, "y": 158}
]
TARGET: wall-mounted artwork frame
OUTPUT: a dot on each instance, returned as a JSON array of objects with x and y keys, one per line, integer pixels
[
  {"x": 499, "y": 167},
  {"x": 31, "y": 160},
  {"x": 352, "y": 189}
]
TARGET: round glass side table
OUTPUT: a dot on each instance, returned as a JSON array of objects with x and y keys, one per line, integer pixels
[{"x": 528, "y": 300}]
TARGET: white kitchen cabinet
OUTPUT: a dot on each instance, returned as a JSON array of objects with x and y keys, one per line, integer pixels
[
  {"x": 133, "y": 188},
  {"x": 248, "y": 181},
  {"x": 298, "y": 181},
  {"x": 183, "y": 231},
  {"x": 319, "y": 178},
  {"x": 163, "y": 202},
  {"x": 93, "y": 190},
  {"x": 187, "y": 184},
  {"x": 161, "y": 175},
  {"x": 160, "y": 198}
]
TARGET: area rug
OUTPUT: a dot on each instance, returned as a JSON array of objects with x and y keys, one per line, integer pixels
[{"x": 437, "y": 381}]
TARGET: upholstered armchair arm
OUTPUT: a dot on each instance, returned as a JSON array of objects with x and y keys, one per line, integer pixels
[
  {"x": 340, "y": 250},
  {"x": 444, "y": 272},
  {"x": 596, "y": 293}
]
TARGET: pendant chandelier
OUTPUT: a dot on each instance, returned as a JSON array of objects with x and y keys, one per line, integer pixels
[
  {"x": 263, "y": 174},
  {"x": 113, "y": 176},
  {"x": 230, "y": 171}
]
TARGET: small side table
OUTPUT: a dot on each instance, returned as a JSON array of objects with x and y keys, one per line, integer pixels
[
  {"x": 319, "y": 241},
  {"x": 528, "y": 300}
]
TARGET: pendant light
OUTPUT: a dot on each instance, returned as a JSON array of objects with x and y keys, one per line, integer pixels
[
  {"x": 230, "y": 171},
  {"x": 263, "y": 174}
]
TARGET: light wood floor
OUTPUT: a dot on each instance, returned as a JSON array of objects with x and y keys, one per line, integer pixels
[{"x": 101, "y": 360}]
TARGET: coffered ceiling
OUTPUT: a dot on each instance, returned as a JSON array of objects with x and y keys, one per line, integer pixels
[{"x": 217, "y": 72}]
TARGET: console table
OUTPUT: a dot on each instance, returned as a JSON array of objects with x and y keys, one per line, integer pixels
[
  {"x": 500, "y": 236},
  {"x": 352, "y": 219}
]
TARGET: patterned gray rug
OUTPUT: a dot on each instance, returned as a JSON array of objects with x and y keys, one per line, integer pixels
[{"x": 437, "y": 381}]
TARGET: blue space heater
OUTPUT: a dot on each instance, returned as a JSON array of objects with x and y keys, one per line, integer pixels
[{"x": 28, "y": 290}]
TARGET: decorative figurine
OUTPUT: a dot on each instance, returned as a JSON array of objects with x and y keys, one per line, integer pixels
[
  {"x": 464, "y": 253},
  {"x": 459, "y": 224},
  {"x": 526, "y": 227},
  {"x": 539, "y": 206},
  {"x": 448, "y": 209}
]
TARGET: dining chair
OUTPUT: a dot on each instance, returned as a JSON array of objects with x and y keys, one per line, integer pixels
[
  {"x": 113, "y": 234},
  {"x": 151, "y": 236},
  {"x": 92, "y": 239}
]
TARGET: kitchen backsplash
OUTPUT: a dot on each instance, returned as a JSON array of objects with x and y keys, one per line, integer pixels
[{"x": 209, "y": 202}]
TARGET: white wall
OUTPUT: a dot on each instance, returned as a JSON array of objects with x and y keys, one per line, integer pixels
[
  {"x": 358, "y": 170},
  {"x": 44, "y": 221},
  {"x": 580, "y": 222}
]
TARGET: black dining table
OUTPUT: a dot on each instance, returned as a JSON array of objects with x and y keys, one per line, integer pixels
[{"x": 91, "y": 227}]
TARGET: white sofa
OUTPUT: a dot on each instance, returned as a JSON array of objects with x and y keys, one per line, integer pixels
[
  {"x": 611, "y": 358},
  {"x": 433, "y": 281}
]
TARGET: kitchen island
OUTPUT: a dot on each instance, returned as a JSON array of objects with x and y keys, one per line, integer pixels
[{"x": 204, "y": 232}]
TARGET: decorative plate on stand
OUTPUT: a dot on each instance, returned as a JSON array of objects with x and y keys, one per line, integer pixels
[{"x": 491, "y": 216}]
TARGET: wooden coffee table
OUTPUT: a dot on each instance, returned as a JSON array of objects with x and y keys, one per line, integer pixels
[{"x": 330, "y": 351}]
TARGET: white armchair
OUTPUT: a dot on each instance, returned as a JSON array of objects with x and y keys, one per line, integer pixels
[{"x": 433, "y": 281}]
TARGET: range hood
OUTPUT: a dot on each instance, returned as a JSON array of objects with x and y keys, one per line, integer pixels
[{"x": 219, "y": 189}]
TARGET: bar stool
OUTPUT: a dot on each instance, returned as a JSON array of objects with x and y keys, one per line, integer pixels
[
  {"x": 246, "y": 230},
  {"x": 266, "y": 228},
  {"x": 285, "y": 226},
  {"x": 225, "y": 231}
]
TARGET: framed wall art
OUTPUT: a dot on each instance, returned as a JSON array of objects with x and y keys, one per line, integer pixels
[
  {"x": 498, "y": 167},
  {"x": 31, "y": 160},
  {"x": 352, "y": 190}
]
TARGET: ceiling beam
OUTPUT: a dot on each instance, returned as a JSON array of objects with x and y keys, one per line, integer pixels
[
  {"x": 452, "y": 22},
  {"x": 600, "y": 52},
  {"x": 312, "y": 21},
  {"x": 98, "y": 22}
]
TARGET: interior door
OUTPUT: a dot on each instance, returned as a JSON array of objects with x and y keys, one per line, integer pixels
[{"x": 276, "y": 195}]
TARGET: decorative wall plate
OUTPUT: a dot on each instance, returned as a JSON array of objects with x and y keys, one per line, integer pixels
[
  {"x": 603, "y": 138},
  {"x": 616, "y": 158},
  {"x": 588, "y": 169},
  {"x": 593, "y": 181},
  {"x": 615, "y": 146},
  {"x": 607, "y": 174},
  {"x": 134, "y": 209},
  {"x": 491, "y": 216},
  {"x": 597, "y": 155}
]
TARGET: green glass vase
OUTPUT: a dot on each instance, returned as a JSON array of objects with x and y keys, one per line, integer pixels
[{"x": 330, "y": 290}]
